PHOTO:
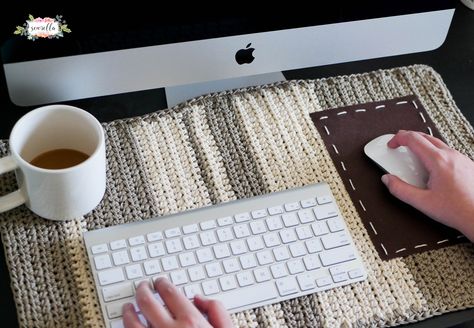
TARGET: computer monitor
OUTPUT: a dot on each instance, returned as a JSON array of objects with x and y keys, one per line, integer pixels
[{"x": 138, "y": 51}]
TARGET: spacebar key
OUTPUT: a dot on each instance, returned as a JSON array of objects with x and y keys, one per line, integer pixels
[{"x": 247, "y": 296}]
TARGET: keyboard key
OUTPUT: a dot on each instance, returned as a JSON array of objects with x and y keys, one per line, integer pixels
[
  {"x": 337, "y": 255},
  {"x": 255, "y": 243},
  {"x": 279, "y": 270},
  {"x": 356, "y": 273},
  {"x": 120, "y": 258},
  {"x": 287, "y": 236},
  {"x": 310, "y": 202},
  {"x": 241, "y": 231},
  {"x": 191, "y": 228},
  {"x": 208, "y": 238},
  {"x": 281, "y": 253},
  {"x": 221, "y": 251},
  {"x": 137, "y": 240},
  {"x": 304, "y": 232},
  {"x": 295, "y": 266},
  {"x": 335, "y": 224},
  {"x": 274, "y": 223},
  {"x": 320, "y": 228},
  {"x": 258, "y": 227},
  {"x": 306, "y": 216},
  {"x": 224, "y": 234},
  {"x": 313, "y": 245},
  {"x": 245, "y": 279},
  {"x": 138, "y": 253},
  {"x": 271, "y": 240},
  {"x": 151, "y": 267},
  {"x": 290, "y": 219},
  {"x": 311, "y": 262},
  {"x": 156, "y": 249},
  {"x": 118, "y": 244},
  {"x": 324, "y": 199},
  {"x": 253, "y": 294},
  {"x": 204, "y": 255},
  {"x": 259, "y": 213},
  {"x": 297, "y": 249},
  {"x": 134, "y": 271},
  {"x": 214, "y": 270},
  {"x": 340, "y": 277},
  {"x": 264, "y": 258},
  {"x": 97, "y": 249},
  {"x": 231, "y": 265},
  {"x": 225, "y": 221},
  {"x": 248, "y": 261},
  {"x": 173, "y": 232},
  {"x": 210, "y": 287},
  {"x": 173, "y": 246},
  {"x": 154, "y": 236},
  {"x": 287, "y": 286},
  {"x": 191, "y": 290},
  {"x": 227, "y": 283},
  {"x": 335, "y": 240},
  {"x": 196, "y": 273},
  {"x": 306, "y": 281},
  {"x": 208, "y": 225},
  {"x": 191, "y": 242},
  {"x": 292, "y": 206},
  {"x": 110, "y": 276},
  {"x": 325, "y": 211},
  {"x": 187, "y": 259},
  {"x": 238, "y": 247},
  {"x": 262, "y": 274},
  {"x": 117, "y": 292},
  {"x": 102, "y": 261},
  {"x": 179, "y": 277},
  {"x": 325, "y": 281},
  {"x": 169, "y": 263},
  {"x": 275, "y": 210},
  {"x": 242, "y": 217}
]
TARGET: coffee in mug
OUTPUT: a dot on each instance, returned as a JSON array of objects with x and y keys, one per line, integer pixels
[{"x": 58, "y": 154}]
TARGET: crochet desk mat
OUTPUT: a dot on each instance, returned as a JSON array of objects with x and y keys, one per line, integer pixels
[{"x": 232, "y": 145}]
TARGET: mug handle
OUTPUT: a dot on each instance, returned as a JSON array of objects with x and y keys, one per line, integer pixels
[{"x": 15, "y": 198}]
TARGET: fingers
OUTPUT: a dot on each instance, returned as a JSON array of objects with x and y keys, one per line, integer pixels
[
  {"x": 176, "y": 302},
  {"x": 407, "y": 193},
  {"x": 215, "y": 310},
  {"x": 423, "y": 148},
  {"x": 151, "y": 308},
  {"x": 130, "y": 317},
  {"x": 435, "y": 141}
]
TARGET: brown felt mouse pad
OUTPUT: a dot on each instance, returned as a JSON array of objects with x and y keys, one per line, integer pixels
[{"x": 396, "y": 229}]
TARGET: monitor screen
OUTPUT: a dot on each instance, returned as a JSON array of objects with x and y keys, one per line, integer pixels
[{"x": 138, "y": 48}]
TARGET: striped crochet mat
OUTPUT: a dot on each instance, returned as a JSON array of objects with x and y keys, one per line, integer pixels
[{"x": 233, "y": 145}]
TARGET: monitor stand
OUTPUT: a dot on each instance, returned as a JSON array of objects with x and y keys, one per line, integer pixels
[{"x": 181, "y": 93}]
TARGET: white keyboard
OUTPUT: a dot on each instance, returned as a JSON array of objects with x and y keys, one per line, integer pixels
[{"x": 246, "y": 253}]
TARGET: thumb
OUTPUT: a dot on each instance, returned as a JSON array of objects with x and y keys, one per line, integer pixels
[
  {"x": 215, "y": 310},
  {"x": 404, "y": 191}
]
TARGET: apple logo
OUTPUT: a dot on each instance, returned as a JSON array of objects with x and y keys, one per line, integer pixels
[{"x": 245, "y": 56}]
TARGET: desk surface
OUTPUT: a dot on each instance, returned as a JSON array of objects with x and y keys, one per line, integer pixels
[{"x": 453, "y": 60}]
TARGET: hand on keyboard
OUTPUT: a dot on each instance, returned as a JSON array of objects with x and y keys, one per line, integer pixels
[
  {"x": 181, "y": 312},
  {"x": 246, "y": 253}
]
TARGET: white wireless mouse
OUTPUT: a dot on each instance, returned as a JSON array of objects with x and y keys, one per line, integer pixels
[{"x": 400, "y": 161}]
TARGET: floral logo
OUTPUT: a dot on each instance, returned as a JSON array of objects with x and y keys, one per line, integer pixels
[{"x": 50, "y": 28}]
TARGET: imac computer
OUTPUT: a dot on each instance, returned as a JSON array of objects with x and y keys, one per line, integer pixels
[{"x": 136, "y": 50}]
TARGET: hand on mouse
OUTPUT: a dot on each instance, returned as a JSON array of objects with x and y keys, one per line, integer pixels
[
  {"x": 449, "y": 195},
  {"x": 181, "y": 313}
]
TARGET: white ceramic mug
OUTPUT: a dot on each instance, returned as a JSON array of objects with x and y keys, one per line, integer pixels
[{"x": 56, "y": 194}]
